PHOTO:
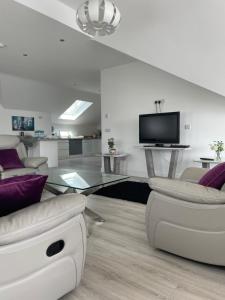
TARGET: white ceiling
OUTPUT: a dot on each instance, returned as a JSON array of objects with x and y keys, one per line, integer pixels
[
  {"x": 75, "y": 63},
  {"x": 54, "y": 74},
  {"x": 182, "y": 37}
]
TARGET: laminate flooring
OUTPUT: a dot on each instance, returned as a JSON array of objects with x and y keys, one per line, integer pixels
[{"x": 120, "y": 264}]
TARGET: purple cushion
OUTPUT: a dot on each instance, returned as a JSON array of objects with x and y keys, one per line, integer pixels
[
  {"x": 19, "y": 192},
  {"x": 9, "y": 159},
  {"x": 215, "y": 177}
]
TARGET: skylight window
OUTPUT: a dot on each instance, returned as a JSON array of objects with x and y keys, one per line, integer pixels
[{"x": 76, "y": 110}]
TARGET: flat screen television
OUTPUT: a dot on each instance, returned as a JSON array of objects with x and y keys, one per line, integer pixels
[{"x": 161, "y": 128}]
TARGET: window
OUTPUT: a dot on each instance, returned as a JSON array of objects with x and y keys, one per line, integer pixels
[
  {"x": 76, "y": 110},
  {"x": 65, "y": 134}
]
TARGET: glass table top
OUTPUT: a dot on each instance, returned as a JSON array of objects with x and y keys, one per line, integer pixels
[{"x": 80, "y": 179}]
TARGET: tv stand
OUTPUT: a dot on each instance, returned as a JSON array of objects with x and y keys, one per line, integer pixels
[
  {"x": 176, "y": 146},
  {"x": 175, "y": 151}
]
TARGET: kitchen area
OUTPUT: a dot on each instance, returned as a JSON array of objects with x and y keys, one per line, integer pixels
[
  {"x": 58, "y": 149},
  {"x": 67, "y": 148}
]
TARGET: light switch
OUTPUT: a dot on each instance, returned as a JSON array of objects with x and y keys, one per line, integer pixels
[{"x": 108, "y": 130}]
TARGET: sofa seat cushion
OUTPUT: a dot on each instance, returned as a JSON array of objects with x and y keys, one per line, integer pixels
[
  {"x": 9, "y": 159},
  {"x": 17, "y": 172},
  {"x": 187, "y": 191},
  {"x": 34, "y": 162},
  {"x": 39, "y": 218},
  {"x": 215, "y": 177}
]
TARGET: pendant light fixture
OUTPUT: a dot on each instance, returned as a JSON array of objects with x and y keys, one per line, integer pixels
[{"x": 98, "y": 17}]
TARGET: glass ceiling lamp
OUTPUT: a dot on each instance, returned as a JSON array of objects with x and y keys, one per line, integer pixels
[{"x": 98, "y": 17}]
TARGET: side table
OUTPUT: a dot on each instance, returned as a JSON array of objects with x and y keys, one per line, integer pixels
[
  {"x": 117, "y": 158},
  {"x": 206, "y": 163}
]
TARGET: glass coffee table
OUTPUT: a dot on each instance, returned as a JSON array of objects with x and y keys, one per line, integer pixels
[{"x": 61, "y": 181}]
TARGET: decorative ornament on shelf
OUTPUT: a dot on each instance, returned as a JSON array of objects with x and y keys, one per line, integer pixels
[
  {"x": 111, "y": 144},
  {"x": 98, "y": 17},
  {"x": 218, "y": 147}
]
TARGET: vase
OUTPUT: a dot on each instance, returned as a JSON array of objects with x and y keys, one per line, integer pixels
[
  {"x": 218, "y": 156},
  {"x": 112, "y": 150}
]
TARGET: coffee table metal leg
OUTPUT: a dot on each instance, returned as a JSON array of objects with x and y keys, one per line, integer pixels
[
  {"x": 94, "y": 216},
  {"x": 89, "y": 212},
  {"x": 58, "y": 190}
]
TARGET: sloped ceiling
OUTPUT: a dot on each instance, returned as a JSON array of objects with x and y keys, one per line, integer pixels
[
  {"x": 54, "y": 74},
  {"x": 26, "y": 94},
  {"x": 183, "y": 37},
  {"x": 74, "y": 63}
]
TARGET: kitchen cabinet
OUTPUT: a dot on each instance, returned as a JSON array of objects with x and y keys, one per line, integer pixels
[
  {"x": 91, "y": 147},
  {"x": 63, "y": 149}
]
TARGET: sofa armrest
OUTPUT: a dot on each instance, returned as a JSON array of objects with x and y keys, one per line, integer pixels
[
  {"x": 187, "y": 191},
  {"x": 34, "y": 162},
  {"x": 193, "y": 174},
  {"x": 39, "y": 218}
]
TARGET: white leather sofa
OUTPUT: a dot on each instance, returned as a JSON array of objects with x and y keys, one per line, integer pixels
[
  {"x": 31, "y": 164},
  {"x": 42, "y": 249},
  {"x": 187, "y": 219}
]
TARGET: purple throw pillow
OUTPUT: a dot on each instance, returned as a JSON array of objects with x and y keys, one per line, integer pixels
[
  {"x": 9, "y": 159},
  {"x": 215, "y": 177},
  {"x": 19, "y": 192}
]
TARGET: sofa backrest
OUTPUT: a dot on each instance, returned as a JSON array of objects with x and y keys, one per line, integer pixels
[
  {"x": 13, "y": 142},
  {"x": 223, "y": 188}
]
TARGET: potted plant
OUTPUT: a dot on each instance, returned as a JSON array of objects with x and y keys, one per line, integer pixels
[
  {"x": 111, "y": 144},
  {"x": 218, "y": 147}
]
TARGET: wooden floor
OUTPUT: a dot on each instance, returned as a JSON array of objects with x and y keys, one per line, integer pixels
[{"x": 121, "y": 265}]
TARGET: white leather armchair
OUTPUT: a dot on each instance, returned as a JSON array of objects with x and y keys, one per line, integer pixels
[
  {"x": 187, "y": 219},
  {"x": 42, "y": 249},
  {"x": 31, "y": 164}
]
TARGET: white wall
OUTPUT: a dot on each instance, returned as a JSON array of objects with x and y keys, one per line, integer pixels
[
  {"x": 131, "y": 89},
  {"x": 42, "y": 120}
]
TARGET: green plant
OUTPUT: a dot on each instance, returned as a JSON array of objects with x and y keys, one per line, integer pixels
[
  {"x": 111, "y": 143},
  {"x": 218, "y": 147}
]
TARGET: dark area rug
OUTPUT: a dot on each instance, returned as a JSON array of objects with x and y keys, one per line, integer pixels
[{"x": 127, "y": 190}]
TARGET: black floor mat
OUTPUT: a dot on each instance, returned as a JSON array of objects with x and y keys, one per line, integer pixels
[{"x": 127, "y": 190}]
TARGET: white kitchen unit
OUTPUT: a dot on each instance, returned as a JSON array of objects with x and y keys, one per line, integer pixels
[
  {"x": 46, "y": 148},
  {"x": 91, "y": 147},
  {"x": 63, "y": 149}
]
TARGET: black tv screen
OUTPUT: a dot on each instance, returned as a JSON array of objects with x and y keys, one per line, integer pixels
[{"x": 162, "y": 128}]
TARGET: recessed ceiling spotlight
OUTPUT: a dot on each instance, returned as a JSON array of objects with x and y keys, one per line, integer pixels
[
  {"x": 62, "y": 40},
  {"x": 3, "y": 45},
  {"x": 25, "y": 54}
]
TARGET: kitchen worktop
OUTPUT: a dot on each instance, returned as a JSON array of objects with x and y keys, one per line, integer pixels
[{"x": 66, "y": 139}]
